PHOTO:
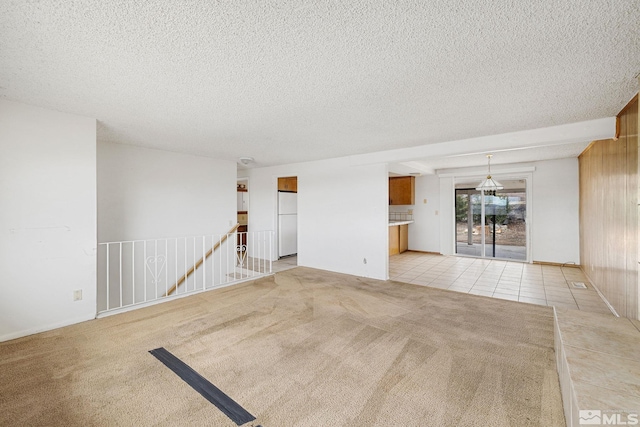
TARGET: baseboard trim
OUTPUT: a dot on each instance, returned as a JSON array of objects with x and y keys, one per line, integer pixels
[
  {"x": 46, "y": 328},
  {"x": 558, "y": 264},
  {"x": 424, "y": 252}
]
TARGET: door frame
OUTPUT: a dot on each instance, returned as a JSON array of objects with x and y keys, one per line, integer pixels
[{"x": 527, "y": 176}]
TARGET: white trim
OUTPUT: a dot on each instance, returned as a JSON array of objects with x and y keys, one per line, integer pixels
[
  {"x": 482, "y": 172},
  {"x": 32, "y": 331},
  {"x": 132, "y": 307}
]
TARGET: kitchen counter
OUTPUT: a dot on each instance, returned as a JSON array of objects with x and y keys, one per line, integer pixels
[{"x": 394, "y": 223}]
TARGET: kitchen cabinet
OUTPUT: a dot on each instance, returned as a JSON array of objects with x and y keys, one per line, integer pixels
[
  {"x": 402, "y": 190},
  {"x": 289, "y": 183},
  {"x": 398, "y": 239},
  {"x": 243, "y": 201},
  {"x": 404, "y": 237},
  {"x": 394, "y": 240}
]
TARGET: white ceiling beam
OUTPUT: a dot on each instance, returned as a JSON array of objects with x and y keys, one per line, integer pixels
[{"x": 586, "y": 131}]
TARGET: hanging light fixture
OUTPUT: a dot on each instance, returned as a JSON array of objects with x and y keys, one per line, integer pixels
[{"x": 489, "y": 185}]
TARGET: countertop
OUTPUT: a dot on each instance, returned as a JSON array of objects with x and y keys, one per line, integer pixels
[{"x": 394, "y": 223}]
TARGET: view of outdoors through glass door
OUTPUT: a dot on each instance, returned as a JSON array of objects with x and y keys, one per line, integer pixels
[{"x": 504, "y": 234}]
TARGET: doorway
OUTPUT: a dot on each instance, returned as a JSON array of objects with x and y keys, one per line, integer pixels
[
  {"x": 492, "y": 226},
  {"x": 287, "y": 216}
]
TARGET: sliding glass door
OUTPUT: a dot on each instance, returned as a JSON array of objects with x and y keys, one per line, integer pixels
[{"x": 492, "y": 226}]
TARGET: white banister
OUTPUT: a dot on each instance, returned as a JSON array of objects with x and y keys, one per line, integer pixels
[{"x": 125, "y": 279}]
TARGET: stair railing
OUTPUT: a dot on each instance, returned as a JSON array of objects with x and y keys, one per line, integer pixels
[{"x": 189, "y": 272}]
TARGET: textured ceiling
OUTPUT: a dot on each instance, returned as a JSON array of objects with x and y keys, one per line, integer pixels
[{"x": 287, "y": 81}]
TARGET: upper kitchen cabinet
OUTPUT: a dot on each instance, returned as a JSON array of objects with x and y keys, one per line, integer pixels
[
  {"x": 288, "y": 184},
  {"x": 402, "y": 190}
]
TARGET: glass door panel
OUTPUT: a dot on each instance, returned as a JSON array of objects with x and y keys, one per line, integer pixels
[
  {"x": 511, "y": 230},
  {"x": 468, "y": 225},
  {"x": 492, "y": 226},
  {"x": 494, "y": 210}
]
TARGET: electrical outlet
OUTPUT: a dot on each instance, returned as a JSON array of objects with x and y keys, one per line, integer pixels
[
  {"x": 410, "y": 211},
  {"x": 77, "y": 295},
  {"x": 364, "y": 260},
  {"x": 436, "y": 212},
  {"x": 424, "y": 201}
]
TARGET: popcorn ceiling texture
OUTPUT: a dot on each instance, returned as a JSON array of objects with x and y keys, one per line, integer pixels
[{"x": 286, "y": 81}]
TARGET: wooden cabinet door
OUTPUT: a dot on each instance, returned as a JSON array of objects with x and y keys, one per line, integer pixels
[
  {"x": 394, "y": 240},
  {"x": 289, "y": 183},
  {"x": 402, "y": 190},
  {"x": 404, "y": 237}
]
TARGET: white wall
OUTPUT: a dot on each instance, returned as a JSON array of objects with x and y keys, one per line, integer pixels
[
  {"x": 555, "y": 232},
  {"x": 47, "y": 219},
  {"x": 145, "y": 193},
  {"x": 342, "y": 214}
]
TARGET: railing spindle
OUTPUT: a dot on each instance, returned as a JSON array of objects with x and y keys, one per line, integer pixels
[
  {"x": 108, "y": 284},
  {"x": 232, "y": 262},
  {"x": 120, "y": 269},
  {"x": 155, "y": 269},
  {"x": 144, "y": 269},
  {"x": 195, "y": 281},
  {"x": 133, "y": 270},
  {"x": 176, "y": 263}
]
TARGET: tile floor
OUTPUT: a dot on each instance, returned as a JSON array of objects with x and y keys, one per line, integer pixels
[
  {"x": 509, "y": 280},
  {"x": 285, "y": 263}
]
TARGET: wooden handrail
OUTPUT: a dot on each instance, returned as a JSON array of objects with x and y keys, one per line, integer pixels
[{"x": 199, "y": 263}]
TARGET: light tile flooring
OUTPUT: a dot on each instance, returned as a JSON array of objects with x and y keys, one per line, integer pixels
[
  {"x": 285, "y": 263},
  {"x": 516, "y": 281}
]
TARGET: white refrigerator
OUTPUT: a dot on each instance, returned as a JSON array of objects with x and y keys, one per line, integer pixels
[{"x": 287, "y": 223}]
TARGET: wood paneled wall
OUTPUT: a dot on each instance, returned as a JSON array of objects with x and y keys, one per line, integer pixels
[{"x": 609, "y": 191}]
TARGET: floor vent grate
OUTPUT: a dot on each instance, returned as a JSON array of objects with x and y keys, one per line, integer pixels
[{"x": 579, "y": 285}]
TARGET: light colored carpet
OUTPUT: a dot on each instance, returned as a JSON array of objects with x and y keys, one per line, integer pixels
[{"x": 302, "y": 348}]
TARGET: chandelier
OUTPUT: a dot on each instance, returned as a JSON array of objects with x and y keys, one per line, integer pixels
[{"x": 489, "y": 185}]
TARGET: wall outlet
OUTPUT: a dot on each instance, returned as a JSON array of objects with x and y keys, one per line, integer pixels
[
  {"x": 77, "y": 295},
  {"x": 364, "y": 260},
  {"x": 410, "y": 211},
  {"x": 436, "y": 212},
  {"x": 424, "y": 201}
]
